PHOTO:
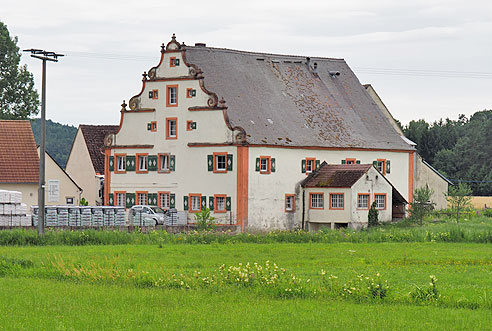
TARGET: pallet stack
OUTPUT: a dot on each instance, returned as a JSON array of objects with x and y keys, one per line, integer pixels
[
  {"x": 12, "y": 211},
  {"x": 81, "y": 216}
]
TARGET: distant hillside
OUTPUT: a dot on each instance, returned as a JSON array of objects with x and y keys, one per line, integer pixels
[{"x": 59, "y": 138}]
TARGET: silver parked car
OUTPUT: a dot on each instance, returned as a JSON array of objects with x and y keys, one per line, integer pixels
[{"x": 147, "y": 215}]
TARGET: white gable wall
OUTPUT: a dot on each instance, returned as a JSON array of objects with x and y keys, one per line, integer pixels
[{"x": 79, "y": 167}]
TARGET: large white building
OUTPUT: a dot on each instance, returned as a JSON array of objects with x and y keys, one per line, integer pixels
[{"x": 238, "y": 131}]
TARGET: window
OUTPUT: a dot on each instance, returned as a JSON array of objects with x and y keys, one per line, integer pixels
[
  {"x": 363, "y": 201},
  {"x": 172, "y": 128},
  {"x": 53, "y": 190},
  {"x": 265, "y": 164},
  {"x": 290, "y": 204},
  {"x": 164, "y": 200},
  {"x": 195, "y": 202},
  {"x": 381, "y": 166},
  {"x": 190, "y": 125},
  {"x": 220, "y": 203},
  {"x": 350, "y": 161},
  {"x": 336, "y": 200},
  {"x": 69, "y": 200},
  {"x": 142, "y": 198},
  {"x": 309, "y": 165},
  {"x": 189, "y": 93},
  {"x": 172, "y": 96},
  {"x": 155, "y": 94},
  {"x": 220, "y": 162},
  {"x": 380, "y": 200},
  {"x": 316, "y": 200},
  {"x": 142, "y": 160},
  {"x": 153, "y": 126},
  {"x": 120, "y": 199},
  {"x": 164, "y": 163},
  {"x": 120, "y": 163},
  {"x": 172, "y": 62}
]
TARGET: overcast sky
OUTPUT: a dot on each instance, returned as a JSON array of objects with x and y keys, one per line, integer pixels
[{"x": 426, "y": 59}]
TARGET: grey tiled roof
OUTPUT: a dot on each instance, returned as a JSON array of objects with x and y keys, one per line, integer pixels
[
  {"x": 277, "y": 100},
  {"x": 94, "y": 139}
]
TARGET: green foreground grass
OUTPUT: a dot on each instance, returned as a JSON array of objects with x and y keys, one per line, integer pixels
[
  {"x": 35, "y": 294},
  {"x": 469, "y": 230}
]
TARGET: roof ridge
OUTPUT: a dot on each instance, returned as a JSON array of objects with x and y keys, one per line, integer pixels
[{"x": 230, "y": 50}]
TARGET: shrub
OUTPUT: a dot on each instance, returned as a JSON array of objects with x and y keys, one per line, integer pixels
[
  {"x": 373, "y": 216},
  {"x": 204, "y": 221}
]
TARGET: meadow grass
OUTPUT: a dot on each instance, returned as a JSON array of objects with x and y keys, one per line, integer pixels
[
  {"x": 472, "y": 230},
  {"x": 379, "y": 278},
  {"x": 40, "y": 304}
]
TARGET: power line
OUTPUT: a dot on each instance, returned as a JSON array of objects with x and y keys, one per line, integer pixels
[{"x": 367, "y": 70}]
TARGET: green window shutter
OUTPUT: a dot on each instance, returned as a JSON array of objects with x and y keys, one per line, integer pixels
[
  {"x": 229, "y": 162},
  {"x": 357, "y": 162},
  {"x": 152, "y": 199},
  {"x": 228, "y": 203},
  {"x": 152, "y": 162},
  {"x": 111, "y": 199},
  {"x": 177, "y": 62},
  {"x": 151, "y": 94},
  {"x": 210, "y": 162},
  {"x": 257, "y": 164},
  {"x": 388, "y": 166},
  {"x": 130, "y": 200},
  {"x": 193, "y": 93},
  {"x": 130, "y": 163},
  {"x": 204, "y": 203},
  {"x": 111, "y": 163},
  {"x": 375, "y": 164},
  {"x": 172, "y": 200},
  {"x": 318, "y": 163},
  {"x": 185, "y": 202},
  {"x": 211, "y": 203},
  {"x": 303, "y": 166},
  {"x": 172, "y": 162},
  {"x": 149, "y": 126},
  {"x": 344, "y": 161},
  {"x": 193, "y": 125},
  {"x": 272, "y": 164}
]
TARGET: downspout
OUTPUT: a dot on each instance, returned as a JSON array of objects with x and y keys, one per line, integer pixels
[{"x": 303, "y": 203}]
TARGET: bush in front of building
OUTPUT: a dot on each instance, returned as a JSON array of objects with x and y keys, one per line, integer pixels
[{"x": 373, "y": 216}]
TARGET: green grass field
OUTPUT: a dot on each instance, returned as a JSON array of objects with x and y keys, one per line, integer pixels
[{"x": 108, "y": 287}]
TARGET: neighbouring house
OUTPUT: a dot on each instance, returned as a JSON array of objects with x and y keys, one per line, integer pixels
[
  {"x": 19, "y": 161},
  {"x": 19, "y": 168},
  {"x": 340, "y": 195},
  {"x": 425, "y": 174},
  {"x": 239, "y": 131},
  {"x": 85, "y": 162},
  {"x": 60, "y": 188}
]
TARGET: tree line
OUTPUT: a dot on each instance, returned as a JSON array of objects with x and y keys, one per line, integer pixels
[{"x": 460, "y": 149}]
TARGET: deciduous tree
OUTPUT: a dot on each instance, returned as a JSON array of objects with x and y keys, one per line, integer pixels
[{"x": 18, "y": 97}]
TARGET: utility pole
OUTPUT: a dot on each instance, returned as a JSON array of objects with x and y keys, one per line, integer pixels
[{"x": 44, "y": 56}]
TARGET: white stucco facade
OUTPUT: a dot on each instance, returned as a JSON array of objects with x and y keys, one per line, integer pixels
[{"x": 370, "y": 184}]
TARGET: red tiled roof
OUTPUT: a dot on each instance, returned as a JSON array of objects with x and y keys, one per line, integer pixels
[
  {"x": 336, "y": 175},
  {"x": 19, "y": 161},
  {"x": 94, "y": 139}
]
